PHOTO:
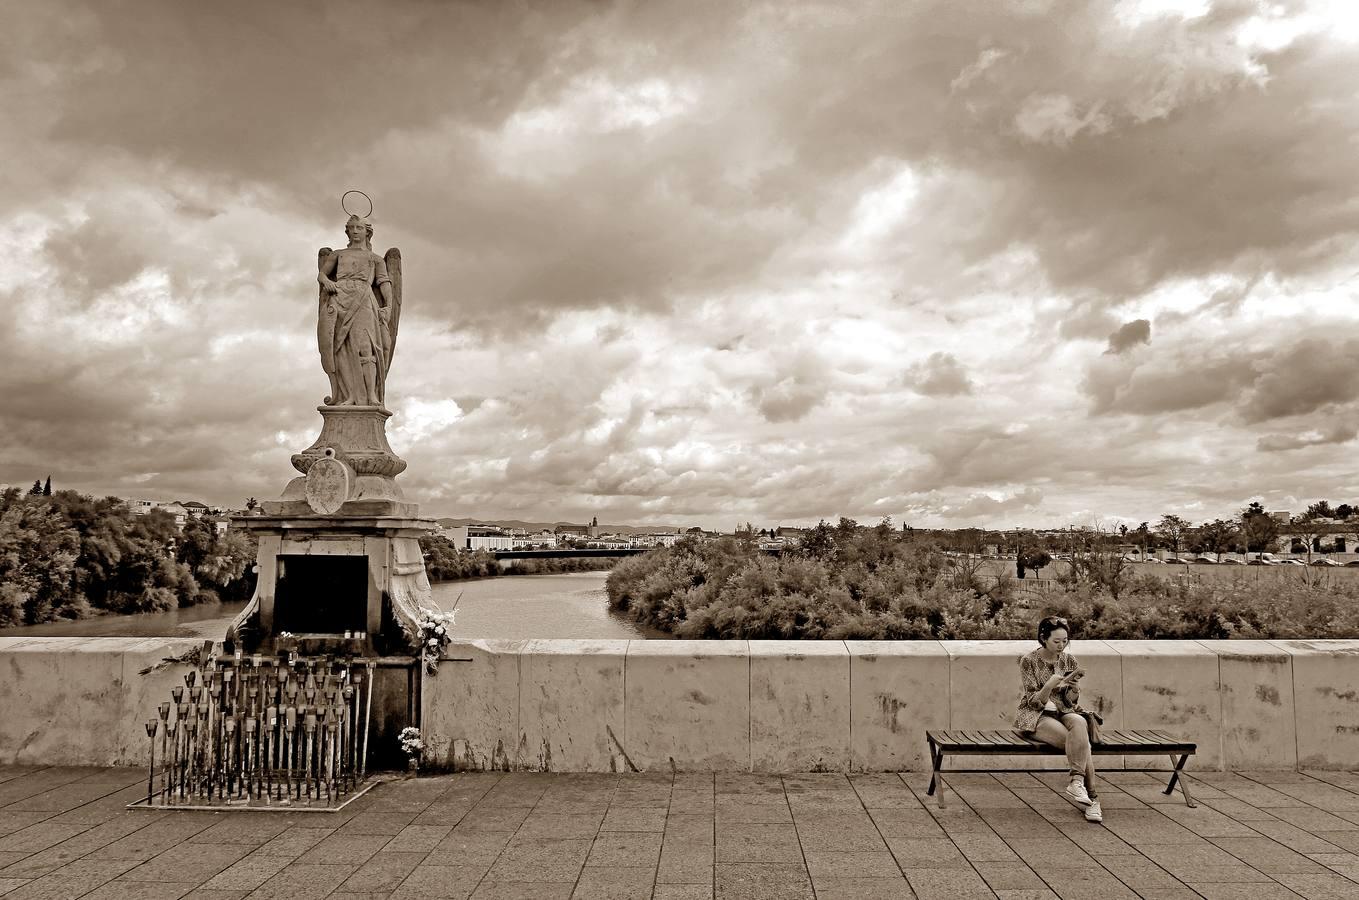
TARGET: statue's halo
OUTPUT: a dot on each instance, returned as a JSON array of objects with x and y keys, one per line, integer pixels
[{"x": 344, "y": 206}]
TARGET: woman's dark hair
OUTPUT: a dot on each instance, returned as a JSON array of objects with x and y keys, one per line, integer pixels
[{"x": 1048, "y": 625}]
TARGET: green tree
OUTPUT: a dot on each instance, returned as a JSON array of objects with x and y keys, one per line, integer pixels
[
  {"x": 1218, "y": 536},
  {"x": 1173, "y": 529},
  {"x": 1344, "y": 511},
  {"x": 1320, "y": 510},
  {"x": 36, "y": 490},
  {"x": 1259, "y": 530},
  {"x": 38, "y": 550},
  {"x": 47, "y": 487}
]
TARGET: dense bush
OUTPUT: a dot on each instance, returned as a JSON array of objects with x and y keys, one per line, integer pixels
[
  {"x": 71, "y": 556},
  {"x": 849, "y": 582}
]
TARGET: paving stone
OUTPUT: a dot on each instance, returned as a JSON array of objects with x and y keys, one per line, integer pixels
[
  {"x": 1015, "y": 875},
  {"x": 762, "y": 881},
  {"x": 1292, "y": 836},
  {"x": 738, "y": 811},
  {"x": 948, "y": 884},
  {"x": 38, "y": 836},
  {"x": 295, "y": 841},
  {"x": 426, "y": 882},
  {"x": 756, "y": 843},
  {"x": 9, "y": 884},
  {"x": 912, "y": 823},
  {"x": 251, "y": 829},
  {"x": 1314, "y": 820},
  {"x": 1269, "y": 856},
  {"x": 140, "y": 890},
  {"x": 683, "y": 892},
  {"x": 383, "y": 872},
  {"x": 1270, "y": 890},
  {"x": 194, "y": 863},
  {"x": 486, "y": 816},
  {"x": 341, "y": 849},
  {"x": 863, "y": 889},
  {"x": 625, "y": 848},
  {"x": 418, "y": 838},
  {"x": 634, "y": 818},
  {"x": 519, "y": 890},
  {"x": 823, "y": 864},
  {"x": 249, "y": 872},
  {"x": 1076, "y": 884},
  {"x": 685, "y": 865},
  {"x": 935, "y": 853},
  {"x": 469, "y": 848},
  {"x": 1320, "y": 887},
  {"x": 615, "y": 883},
  {"x": 562, "y": 825},
  {"x": 204, "y": 894},
  {"x": 983, "y": 847},
  {"x": 303, "y": 881},
  {"x": 540, "y": 860}
]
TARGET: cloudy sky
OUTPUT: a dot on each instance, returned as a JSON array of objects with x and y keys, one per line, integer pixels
[{"x": 960, "y": 263}]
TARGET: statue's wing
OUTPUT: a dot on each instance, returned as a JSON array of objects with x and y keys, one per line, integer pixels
[
  {"x": 325, "y": 323},
  {"x": 393, "y": 260}
]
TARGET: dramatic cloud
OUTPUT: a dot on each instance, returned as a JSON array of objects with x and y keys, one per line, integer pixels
[
  {"x": 696, "y": 262},
  {"x": 1129, "y": 335},
  {"x": 939, "y": 376}
]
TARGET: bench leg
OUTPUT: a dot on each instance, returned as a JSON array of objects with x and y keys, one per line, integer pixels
[
  {"x": 1175, "y": 776},
  {"x": 936, "y": 777}
]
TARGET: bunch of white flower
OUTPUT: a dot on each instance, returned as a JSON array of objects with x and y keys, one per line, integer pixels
[{"x": 435, "y": 635}]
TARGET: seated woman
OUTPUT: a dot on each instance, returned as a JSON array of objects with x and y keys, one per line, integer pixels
[{"x": 1045, "y": 713}]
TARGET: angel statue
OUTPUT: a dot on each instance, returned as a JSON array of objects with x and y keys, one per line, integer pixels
[{"x": 355, "y": 331}]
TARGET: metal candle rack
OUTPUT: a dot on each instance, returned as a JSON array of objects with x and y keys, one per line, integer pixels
[{"x": 263, "y": 731}]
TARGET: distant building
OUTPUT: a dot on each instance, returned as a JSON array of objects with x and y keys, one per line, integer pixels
[
  {"x": 178, "y": 510},
  {"x": 480, "y": 537}
]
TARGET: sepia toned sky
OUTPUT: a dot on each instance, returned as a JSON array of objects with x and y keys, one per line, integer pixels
[{"x": 966, "y": 262}]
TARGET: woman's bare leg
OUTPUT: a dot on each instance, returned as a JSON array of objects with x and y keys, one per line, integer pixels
[{"x": 1078, "y": 754}]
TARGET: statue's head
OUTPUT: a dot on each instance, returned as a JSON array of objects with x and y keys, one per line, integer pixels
[{"x": 361, "y": 230}]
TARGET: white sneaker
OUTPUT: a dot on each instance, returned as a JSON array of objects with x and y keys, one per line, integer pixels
[
  {"x": 1093, "y": 813},
  {"x": 1076, "y": 791}
]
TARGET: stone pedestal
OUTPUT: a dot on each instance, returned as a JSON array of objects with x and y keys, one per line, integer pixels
[{"x": 339, "y": 550}]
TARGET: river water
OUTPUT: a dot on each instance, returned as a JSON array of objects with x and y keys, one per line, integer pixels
[{"x": 567, "y": 605}]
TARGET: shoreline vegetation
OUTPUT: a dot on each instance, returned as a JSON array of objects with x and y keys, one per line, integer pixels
[
  {"x": 877, "y": 583},
  {"x": 69, "y": 556},
  {"x": 445, "y": 562}
]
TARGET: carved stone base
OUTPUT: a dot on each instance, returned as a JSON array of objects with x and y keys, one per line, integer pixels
[
  {"x": 358, "y": 435},
  {"x": 320, "y": 576}
]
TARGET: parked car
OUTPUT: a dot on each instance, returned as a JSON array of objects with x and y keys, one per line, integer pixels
[
  {"x": 1205, "y": 561},
  {"x": 1158, "y": 562},
  {"x": 1262, "y": 562},
  {"x": 1231, "y": 561},
  {"x": 1291, "y": 562},
  {"x": 1175, "y": 559},
  {"x": 1323, "y": 561}
]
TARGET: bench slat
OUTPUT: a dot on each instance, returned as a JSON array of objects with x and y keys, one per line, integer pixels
[{"x": 1011, "y": 741}]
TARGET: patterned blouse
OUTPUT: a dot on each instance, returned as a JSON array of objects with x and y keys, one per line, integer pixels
[{"x": 1034, "y": 671}]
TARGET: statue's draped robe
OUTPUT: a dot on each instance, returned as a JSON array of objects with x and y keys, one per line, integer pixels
[{"x": 351, "y": 330}]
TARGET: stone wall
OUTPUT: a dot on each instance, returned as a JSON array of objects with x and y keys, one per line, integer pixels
[
  {"x": 798, "y": 706},
  {"x": 764, "y": 706},
  {"x": 83, "y": 701}
]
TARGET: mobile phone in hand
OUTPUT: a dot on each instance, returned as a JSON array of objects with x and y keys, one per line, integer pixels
[{"x": 1076, "y": 675}]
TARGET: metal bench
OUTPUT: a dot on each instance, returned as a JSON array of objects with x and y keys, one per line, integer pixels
[{"x": 997, "y": 743}]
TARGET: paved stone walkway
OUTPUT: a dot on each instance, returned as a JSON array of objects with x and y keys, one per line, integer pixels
[{"x": 64, "y": 833}]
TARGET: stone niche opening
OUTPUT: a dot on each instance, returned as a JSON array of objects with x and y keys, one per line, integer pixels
[{"x": 321, "y": 594}]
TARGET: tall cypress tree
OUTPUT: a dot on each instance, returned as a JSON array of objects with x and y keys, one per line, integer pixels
[{"x": 47, "y": 488}]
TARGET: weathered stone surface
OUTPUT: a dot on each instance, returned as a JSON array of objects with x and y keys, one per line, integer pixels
[
  {"x": 327, "y": 485},
  {"x": 799, "y": 706},
  {"x": 470, "y": 710},
  {"x": 687, "y": 705},
  {"x": 82, "y": 701},
  {"x": 1173, "y": 686},
  {"x": 898, "y": 691},
  {"x": 1258, "y": 713},
  {"x": 571, "y": 706},
  {"x": 1326, "y": 696},
  {"x": 984, "y": 689}
]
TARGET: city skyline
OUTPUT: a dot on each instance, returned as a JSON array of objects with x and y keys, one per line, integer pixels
[{"x": 960, "y": 264}]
